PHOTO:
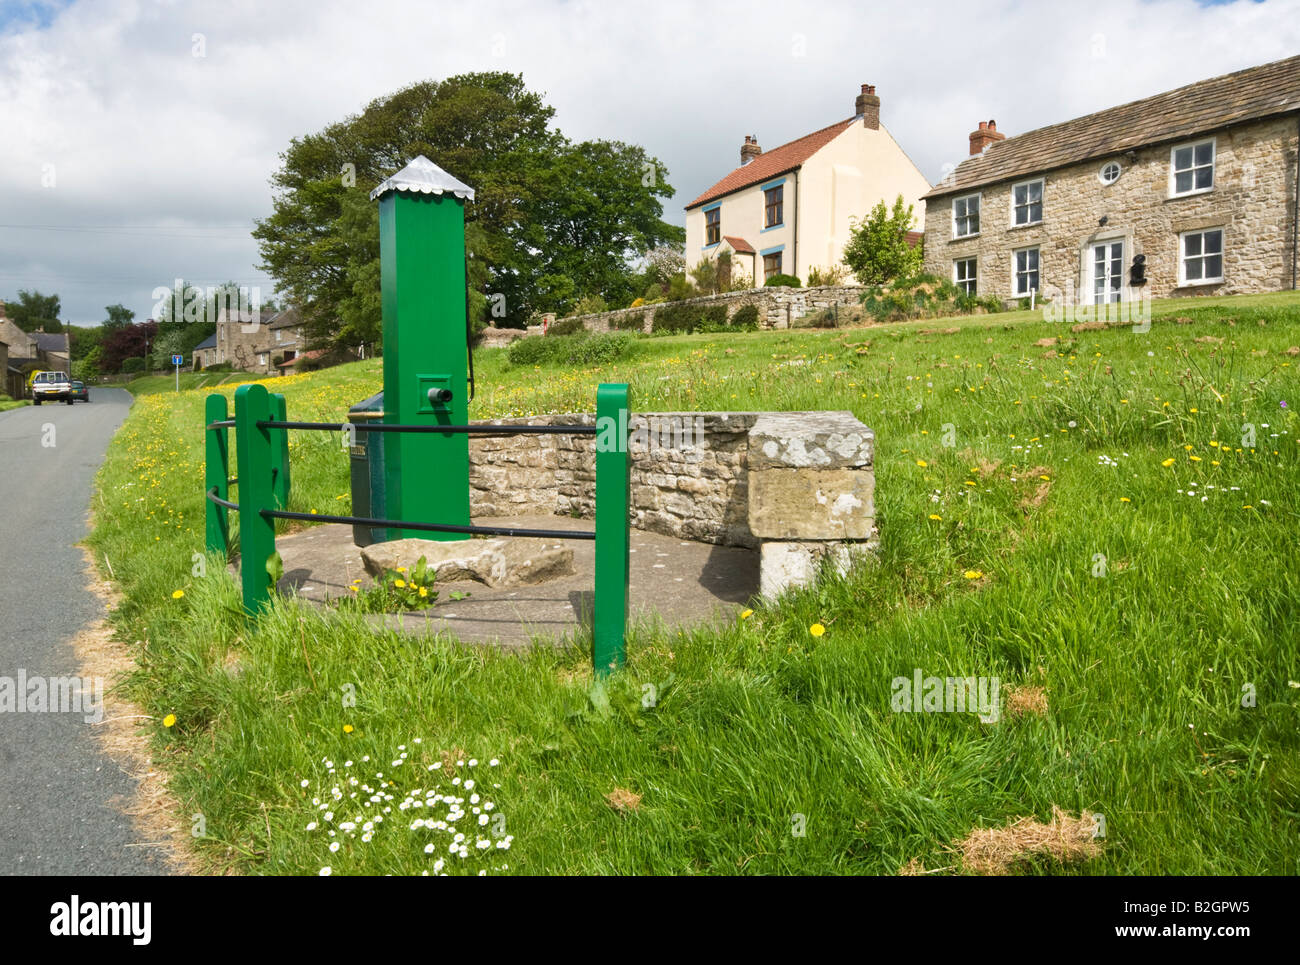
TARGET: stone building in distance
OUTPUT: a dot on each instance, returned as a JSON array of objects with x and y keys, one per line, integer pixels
[{"x": 1189, "y": 192}]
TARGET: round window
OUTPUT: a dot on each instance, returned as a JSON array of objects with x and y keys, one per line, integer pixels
[{"x": 1110, "y": 172}]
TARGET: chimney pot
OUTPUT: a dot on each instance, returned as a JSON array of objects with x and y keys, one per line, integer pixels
[
  {"x": 867, "y": 106},
  {"x": 986, "y": 134},
  {"x": 750, "y": 149}
]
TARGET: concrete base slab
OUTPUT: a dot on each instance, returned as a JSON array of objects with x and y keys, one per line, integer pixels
[{"x": 677, "y": 582}]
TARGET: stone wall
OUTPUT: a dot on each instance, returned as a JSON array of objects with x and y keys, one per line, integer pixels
[
  {"x": 778, "y": 307},
  {"x": 797, "y": 485},
  {"x": 696, "y": 491},
  {"x": 1254, "y": 184}
]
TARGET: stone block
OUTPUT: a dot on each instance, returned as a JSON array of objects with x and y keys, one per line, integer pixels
[
  {"x": 495, "y": 562},
  {"x": 830, "y": 504}
]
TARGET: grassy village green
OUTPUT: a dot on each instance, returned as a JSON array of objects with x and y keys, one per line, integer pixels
[{"x": 1091, "y": 523}]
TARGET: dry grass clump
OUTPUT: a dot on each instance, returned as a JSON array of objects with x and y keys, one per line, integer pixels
[
  {"x": 1026, "y": 699},
  {"x": 995, "y": 851}
]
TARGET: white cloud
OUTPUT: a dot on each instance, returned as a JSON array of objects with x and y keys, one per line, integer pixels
[{"x": 140, "y": 131}]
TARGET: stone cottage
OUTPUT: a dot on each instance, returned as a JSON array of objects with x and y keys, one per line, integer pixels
[
  {"x": 1189, "y": 192},
  {"x": 790, "y": 209}
]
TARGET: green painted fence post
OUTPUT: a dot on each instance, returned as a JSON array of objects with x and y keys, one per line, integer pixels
[
  {"x": 253, "y": 448},
  {"x": 216, "y": 473},
  {"x": 280, "y": 452},
  {"x": 609, "y": 620}
]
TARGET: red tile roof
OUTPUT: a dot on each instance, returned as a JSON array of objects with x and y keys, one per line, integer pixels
[
  {"x": 913, "y": 238},
  {"x": 739, "y": 244},
  {"x": 1247, "y": 95},
  {"x": 787, "y": 157}
]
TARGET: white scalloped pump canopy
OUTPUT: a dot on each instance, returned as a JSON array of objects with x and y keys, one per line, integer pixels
[{"x": 422, "y": 176}]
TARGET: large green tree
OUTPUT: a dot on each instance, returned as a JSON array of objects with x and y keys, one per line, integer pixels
[
  {"x": 551, "y": 221},
  {"x": 32, "y": 310}
]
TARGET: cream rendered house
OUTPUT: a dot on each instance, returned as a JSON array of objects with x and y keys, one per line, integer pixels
[{"x": 790, "y": 209}]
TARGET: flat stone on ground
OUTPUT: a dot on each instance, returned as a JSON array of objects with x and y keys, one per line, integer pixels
[
  {"x": 518, "y": 561},
  {"x": 674, "y": 582}
]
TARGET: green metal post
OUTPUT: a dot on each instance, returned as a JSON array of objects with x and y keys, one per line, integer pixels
[
  {"x": 422, "y": 282},
  {"x": 256, "y": 532},
  {"x": 609, "y": 621},
  {"x": 279, "y": 452},
  {"x": 216, "y": 473}
]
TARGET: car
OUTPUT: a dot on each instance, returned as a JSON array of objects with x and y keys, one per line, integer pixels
[
  {"x": 79, "y": 391},
  {"x": 51, "y": 386}
]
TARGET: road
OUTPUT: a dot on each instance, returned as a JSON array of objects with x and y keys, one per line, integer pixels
[{"x": 57, "y": 789}]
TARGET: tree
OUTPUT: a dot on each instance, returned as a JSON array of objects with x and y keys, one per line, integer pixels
[
  {"x": 538, "y": 199},
  {"x": 134, "y": 341},
  {"x": 119, "y": 317},
  {"x": 33, "y": 310},
  {"x": 878, "y": 251}
]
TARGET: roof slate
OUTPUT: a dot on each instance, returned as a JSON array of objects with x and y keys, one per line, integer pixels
[{"x": 1247, "y": 95}]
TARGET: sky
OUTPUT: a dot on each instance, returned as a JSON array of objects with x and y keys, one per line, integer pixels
[{"x": 137, "y": 139}]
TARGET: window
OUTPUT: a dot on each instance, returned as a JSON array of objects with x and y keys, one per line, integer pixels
[
  {"x": 1110, "y": 172},
  {"x": 966, "y": 216},
  {"x": 964, "y": 274},
  {"x": 713, "y": 226},
  {"x": 261, "y": 359},
  {"x": 773, "y": 199},
  {"x": 1107, "y": 272},
  {"x": 1025, "y": 270},
  {"x": 277, "y": 335},
  {"x": 771, "y": 265},
  {"x": 1027, "y": 203},
  {"x": 1202, "y": 257},
  {"x": 1191, "y": 168}
]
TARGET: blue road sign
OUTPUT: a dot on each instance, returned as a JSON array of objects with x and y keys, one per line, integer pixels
[{"x": 178, "y": 360}]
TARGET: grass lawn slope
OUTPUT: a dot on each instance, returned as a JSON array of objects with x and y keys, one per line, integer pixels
[{"x": 1103, "y": 520}]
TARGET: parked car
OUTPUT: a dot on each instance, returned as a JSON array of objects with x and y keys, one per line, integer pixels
[
  {"x": 51, "y": 387},
  {"x": 79, "y": 391}
]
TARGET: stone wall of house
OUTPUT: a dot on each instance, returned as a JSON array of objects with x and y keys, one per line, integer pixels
[
  {"x": 797, "y": 486},
  {"x": 778, "y": 307},
  {"x": 1254, "y": 188}
]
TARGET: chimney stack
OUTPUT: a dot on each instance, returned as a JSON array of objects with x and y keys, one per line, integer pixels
[
  {"x": 868, "y": 105},
  {"x": 986, "y": 135},
  {"x": 750, "y": 149}
]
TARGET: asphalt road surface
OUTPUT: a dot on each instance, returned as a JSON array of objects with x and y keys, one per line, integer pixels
[{"x": 60, "y": 797}]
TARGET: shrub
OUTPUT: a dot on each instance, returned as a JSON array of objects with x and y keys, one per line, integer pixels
[
  {"x": 833, "y": 275},
  {"x": 586, "y": 348},
  {"x": 637, "y": 303},
  {"x": 219, "y": 367},
  {"x": 745, "y": 319},
  {"x": 566, "y": 326},
  {"x": 628, "y": 322},
  {"x": 788, "y": 280},
  {"x": 133, "y": 364},
  {"x": 590, "y": 305},
  {"x": 671, "y": 319}
]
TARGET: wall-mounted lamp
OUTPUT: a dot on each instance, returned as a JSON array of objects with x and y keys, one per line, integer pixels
[{"x": 1103, "y": 219}]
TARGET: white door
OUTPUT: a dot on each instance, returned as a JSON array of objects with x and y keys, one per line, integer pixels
[{"x": 1107, "y": 271}]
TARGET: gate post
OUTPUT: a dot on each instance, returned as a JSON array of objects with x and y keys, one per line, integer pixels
[
  {"x": 613, "y": 479},
  {"x": 216, "y": 473},
  {"x": 279, "y": 452},
  {"x": 256, "y": 532}
]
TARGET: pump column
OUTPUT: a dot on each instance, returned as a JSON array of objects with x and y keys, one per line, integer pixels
[{"x": 422, "y": 276}]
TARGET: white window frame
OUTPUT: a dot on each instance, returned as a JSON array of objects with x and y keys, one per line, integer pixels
[
  {"x": 1183, "y": 281},
  {"x": 1214, "y": 164},
  {"x": 1015, "y": 275},
  {"x": 1042, "y": 192},
  {"x": 979, "y": 200},
  {"x": 1101, "y": 177},
  {"x": 1089, "y": 255},
  {"x": 960, "y": 282}
]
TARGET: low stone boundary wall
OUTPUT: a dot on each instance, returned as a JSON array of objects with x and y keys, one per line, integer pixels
[
  {"x": 798, "y": 486},
  {"x": 778, "y": 307}
]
